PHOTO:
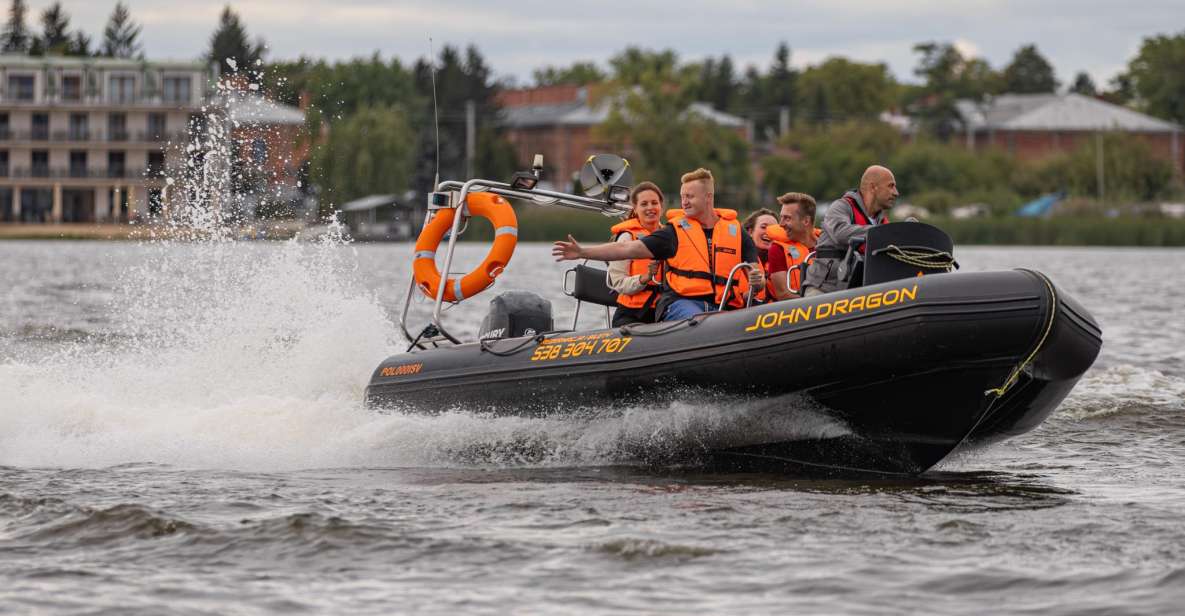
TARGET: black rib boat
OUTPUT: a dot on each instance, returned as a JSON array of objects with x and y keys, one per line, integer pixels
[{"x": 915, "y": 367}]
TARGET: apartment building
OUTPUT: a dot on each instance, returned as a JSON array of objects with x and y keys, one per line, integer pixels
[{"x": 90, "y": 139}]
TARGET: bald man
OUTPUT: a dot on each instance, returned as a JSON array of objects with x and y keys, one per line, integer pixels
[{"x": 848, "y": 218}]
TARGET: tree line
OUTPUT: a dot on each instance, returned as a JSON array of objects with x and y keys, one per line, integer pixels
[
  {"x": 817, "y": 128},
  {"x": 813, "y": 128},
  {"x": 229, "y": 44},
  {"x": 56, "y": 37}
]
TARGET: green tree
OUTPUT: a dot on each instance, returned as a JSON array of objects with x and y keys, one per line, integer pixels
[
  {"x": 1083, "y": 85},
  {"x": 80, "y": 45},
  {"x": 1156, "y": 76},
  {"x": 780, "y": 81},
  {"x": 231, "y": 49},
  {"x": 948, "y": 76},
  {"x": 459, "y": 79},
  {"x": 1131, "y": 170},
  {"x": 55, "y": 30},
  {"x": 930, "y": 166},
  {"x": 16, "y": 37},
  {"x": 840, "y": 90},
  {"x": 372, "y": 152},
  {"x": 1029, "y": 73},
  {"x": 336, "y": 91},
  {"x": 634, "y": 65},
  {"x": 120, "y": 36},
  {"x": 577, "y": 74},
  {"x": 1121, "y": 90},
  {"x": 652, "y": 126},
  {"x": 762, "y": 96},
  {"x": 948, "y": 73},
  {"x": 830, "y": 159},
  {"x": 715, "y": 83}
]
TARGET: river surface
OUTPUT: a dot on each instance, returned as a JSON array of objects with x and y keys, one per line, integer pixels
[{"x": 181, "y": 432}]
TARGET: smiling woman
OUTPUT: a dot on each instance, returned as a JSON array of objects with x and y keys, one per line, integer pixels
[
  {"x": 755, "y": 225},
  {"x": 637, "y": 281}
]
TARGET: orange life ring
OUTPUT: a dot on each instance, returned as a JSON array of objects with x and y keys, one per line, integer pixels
[{"x": 490, "y": 207}]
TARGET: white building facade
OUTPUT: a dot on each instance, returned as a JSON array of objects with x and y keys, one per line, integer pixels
[{"x": 86, "y": 140}]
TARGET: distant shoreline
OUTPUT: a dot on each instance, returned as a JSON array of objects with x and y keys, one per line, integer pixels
[
  {"x": 547, "y": 226},
  {"x": 536, "y": 225},
  {"x": 21, "y": 231},
  {"x": 128, "y": 232}
]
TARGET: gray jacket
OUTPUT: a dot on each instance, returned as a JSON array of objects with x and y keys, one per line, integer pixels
[{"x": 838, "y": 231}]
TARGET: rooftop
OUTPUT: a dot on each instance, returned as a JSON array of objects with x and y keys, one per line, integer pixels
[
  {"x": 570, "y": 106},
  {"x": 1056, "y": 112},
  {"x": 246, "y": 107}
]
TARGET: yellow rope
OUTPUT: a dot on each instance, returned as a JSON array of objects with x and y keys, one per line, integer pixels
[
  {"x": 928, "y": 258},
  {"x": 1011, "y": 380}
]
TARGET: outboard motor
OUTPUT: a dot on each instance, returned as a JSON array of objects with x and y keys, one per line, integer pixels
[
  {"x": 516, "y": 313},
  {"x": 905, "y": 250}
]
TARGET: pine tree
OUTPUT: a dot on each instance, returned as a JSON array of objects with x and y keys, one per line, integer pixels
[
  {"x": 121, "y": 34},
  {"x": 1084, "y": 85},
  {"x": 1029, "y": 73},
  {"x": 782, "y": 78},
  {"x": 80, "y": 45},
  {"x": 230, "y": 47},
  {"x": 55, "y": 26},
  {"x": 15, "y": 38}
]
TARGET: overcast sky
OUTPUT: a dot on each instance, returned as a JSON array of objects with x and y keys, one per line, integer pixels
[{"x": 1098, "y": 36}]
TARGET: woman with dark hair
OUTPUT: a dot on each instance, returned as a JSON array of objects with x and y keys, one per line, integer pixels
[
  {"x": 637, "y": 281},
  {"x": 755, "y": 225}
]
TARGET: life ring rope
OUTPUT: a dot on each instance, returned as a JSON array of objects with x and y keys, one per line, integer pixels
[{"x": 501, "y": 216}]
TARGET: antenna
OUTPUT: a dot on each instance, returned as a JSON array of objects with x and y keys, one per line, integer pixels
[{"x": 435, "y": 111}]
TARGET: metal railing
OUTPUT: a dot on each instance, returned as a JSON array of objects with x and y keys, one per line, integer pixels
[
  {"x": 88, "y": 136},
  {"x": 108, "y": 173},
  {"x": 437, "y": 332},
  {"x": 748, "y": 267},
  {"x": 98, "y": 100}
]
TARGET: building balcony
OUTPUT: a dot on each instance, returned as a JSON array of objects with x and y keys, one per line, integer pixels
[
  {"x": 81, "y": 136},
  {"x": 76, "y": 173},
  {"x": 96, "y": 101}
]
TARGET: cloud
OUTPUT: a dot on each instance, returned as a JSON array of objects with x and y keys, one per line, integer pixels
[
  {"x": 517, "y": 37},
  {"x": 967, "y": 48}
]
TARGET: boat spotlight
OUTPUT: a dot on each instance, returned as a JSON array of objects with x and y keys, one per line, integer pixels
[
  {"x": 608, "y": 176},
  {"x": 527, "y": 180},
  {"x": 620, "y": 194},
  {"x": 523, "y": 180}
]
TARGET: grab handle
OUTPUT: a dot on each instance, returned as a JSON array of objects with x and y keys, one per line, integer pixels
[{"x": 728, "y": 286}]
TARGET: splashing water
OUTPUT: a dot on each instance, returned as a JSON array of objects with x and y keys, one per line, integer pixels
[
  {"x": 220, "y": 352},
  {"x": 229, "y": 354}
]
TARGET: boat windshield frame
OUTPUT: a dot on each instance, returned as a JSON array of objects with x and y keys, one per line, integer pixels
[{"x": 457, "y": 192}]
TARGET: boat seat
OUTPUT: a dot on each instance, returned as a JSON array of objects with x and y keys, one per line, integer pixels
[{"x": 589, "y": 284}]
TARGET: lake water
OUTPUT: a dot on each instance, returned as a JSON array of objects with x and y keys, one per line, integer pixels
[{"x": 181, "y": 432}]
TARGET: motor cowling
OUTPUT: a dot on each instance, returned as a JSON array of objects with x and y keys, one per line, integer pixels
[{"x": 516, "y": 313}]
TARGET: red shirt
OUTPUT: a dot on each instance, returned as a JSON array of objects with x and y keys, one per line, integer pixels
[{"x": 776, "y": 261}]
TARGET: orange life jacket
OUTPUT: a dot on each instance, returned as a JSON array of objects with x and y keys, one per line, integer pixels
[
  {"x": 860, "y": 218},
  {"x": 796, "y": 253},
  {"x": 700, "y": 270},
  {"x": 648, "y": 296}
]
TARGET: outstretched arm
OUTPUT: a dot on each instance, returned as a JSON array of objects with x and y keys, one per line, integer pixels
[{"x": 613, "y": 251}]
